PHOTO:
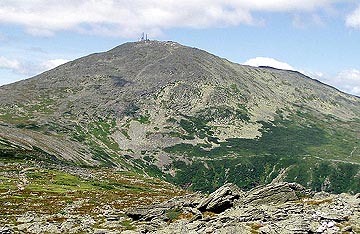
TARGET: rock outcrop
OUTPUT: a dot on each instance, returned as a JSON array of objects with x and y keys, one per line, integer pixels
[
  {"x": 275, "y": 194},
  {"x": 275, "y": 208},
  {"x": 221, "y": 199},
  {"x": 159, "y": 211}
]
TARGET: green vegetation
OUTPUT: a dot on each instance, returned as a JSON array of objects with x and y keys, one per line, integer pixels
[
  {"x": 286, "y": 139},
  {"x": 45, "y": 105},
  {"x": 144, "y": 166},
  {"x": 127, "y": 225},
  {"x": 246, "y": 172},
  {"x": 198, "y": 125},
  {"x": 126, "y": 134},
  {"x": 342, "y": 177},
  {"x": 102, "y": 130},
  {"x": 24, "y": 117},
  {"x": 56, "y": 190},
  {"x": 78, "y": 134},
  {"x": 13, "y": 118},
  {"x": 224, "y": 112},
  {"x": 144, "y": 119},
  {"x": 173, "y": 214},
  {"x": 97, "y": 135},
  {"x": 13, "y": 154},
  {"x": 301, "y": 144}
]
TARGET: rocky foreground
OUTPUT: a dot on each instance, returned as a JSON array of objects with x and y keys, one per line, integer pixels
[
  {"x": 46, "y": 198},
  {"x": 275, "y": 208}
]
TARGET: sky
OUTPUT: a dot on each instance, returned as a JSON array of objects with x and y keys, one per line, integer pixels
[{"x": 320, "y": 38}]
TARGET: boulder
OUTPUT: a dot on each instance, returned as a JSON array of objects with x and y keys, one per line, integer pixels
[
  {"x": 147, "y": 213},
  {"x": 275, "y": 194},
  {"x": 158, "y": 211},
  {"x": 222, "y": 199}
]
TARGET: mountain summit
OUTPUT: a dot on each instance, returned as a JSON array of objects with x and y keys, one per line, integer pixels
[{"x": 186, "y": 116}]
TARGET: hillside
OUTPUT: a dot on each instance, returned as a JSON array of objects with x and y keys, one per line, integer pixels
[{"x": 186, "y": 116}]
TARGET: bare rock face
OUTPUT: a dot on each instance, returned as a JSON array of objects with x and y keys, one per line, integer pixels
[
  {"x": 217, "y": 202},
  {"x": 221, "y": 199},
  {"x": 275, "y": 194}
]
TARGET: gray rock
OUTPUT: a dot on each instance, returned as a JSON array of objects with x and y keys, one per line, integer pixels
[
  {"x": 129, "y": 232},
  {"x": 274, "y": 208},
  {"x": 6, "y": 230},
  {"x": 274, "y": 194},
  {"x": 222, "y": 199},
  {"x": 347, "y": 229},
  {"x": 158, "y": 211},
  {"x": 101, "y": 231},
  {"x": 147, "y": 213},
  {"x": 26, "y": 218}
]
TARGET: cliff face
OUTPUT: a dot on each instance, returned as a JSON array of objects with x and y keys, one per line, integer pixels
[{"x": 186, "y": 116}]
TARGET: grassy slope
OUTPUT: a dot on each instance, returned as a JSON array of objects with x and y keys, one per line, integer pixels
[
  {"x": 318, "y": 154},
  {"x": 61, "y": 192}
]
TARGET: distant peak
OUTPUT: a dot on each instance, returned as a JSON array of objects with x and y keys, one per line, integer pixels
[
  {"x": 144, "y": 44},
  {"x": 157, "y": 43}
]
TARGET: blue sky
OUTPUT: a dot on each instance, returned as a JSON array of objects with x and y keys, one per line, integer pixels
[{"x": 320, "y": 38}]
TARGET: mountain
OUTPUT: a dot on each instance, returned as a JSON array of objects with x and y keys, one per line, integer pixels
[{"x": 185, "y": 116}]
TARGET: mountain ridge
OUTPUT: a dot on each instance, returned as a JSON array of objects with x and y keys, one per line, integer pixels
[{"x": 174, "y": 111}]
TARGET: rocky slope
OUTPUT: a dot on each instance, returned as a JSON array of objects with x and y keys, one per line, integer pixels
[
  {"x": 275, "y": 208},
  {"x": 186, "y": 116},
  {"x": 38, "y": 197}
]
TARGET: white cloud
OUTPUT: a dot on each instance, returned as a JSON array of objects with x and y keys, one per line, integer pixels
[
  {"x": 50, "y": 64},
  {"x": 270, "y": 62},
  {"x": 348, "y": 81},
  {"x": 353, "y": 20},
  {"x": 128, "y": 18},
  {"x": 11, "y": 64},
  {"x": 315, "y": 75},
  {"x": 29, "y": 68}
]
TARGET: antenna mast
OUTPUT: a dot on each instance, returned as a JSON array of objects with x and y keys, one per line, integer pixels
[{"x": 144, "y": 37}]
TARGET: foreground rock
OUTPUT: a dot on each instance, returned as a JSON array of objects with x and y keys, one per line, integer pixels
[
  {"x": 275, "y": 208},
  {"x": 275, "y": 194},
  {"x": 221, "y": 199}
]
